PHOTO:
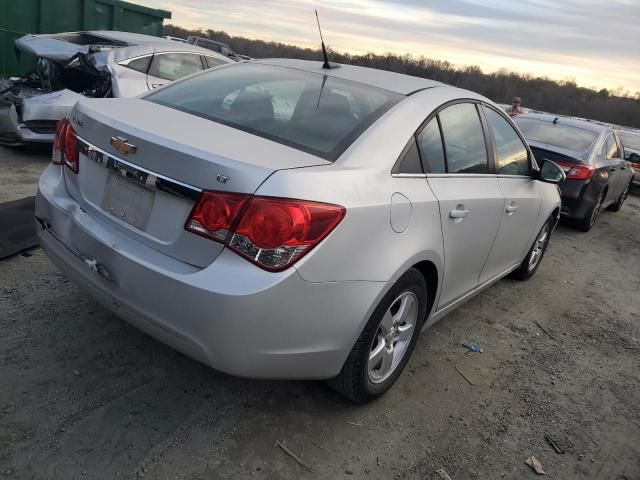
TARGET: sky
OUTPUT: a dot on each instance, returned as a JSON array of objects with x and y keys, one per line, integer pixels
[{"x": 594, "y": 42}]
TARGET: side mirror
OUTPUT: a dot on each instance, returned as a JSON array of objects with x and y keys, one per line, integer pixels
[{"x": 550, "y": 172}]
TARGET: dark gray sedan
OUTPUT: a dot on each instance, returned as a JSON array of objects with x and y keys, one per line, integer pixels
[{"x": 592, "y": 157}]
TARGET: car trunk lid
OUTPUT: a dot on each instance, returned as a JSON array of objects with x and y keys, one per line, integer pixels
[
  {"x": 566, "y": 159},
  {"x": 142, "y": 171}
]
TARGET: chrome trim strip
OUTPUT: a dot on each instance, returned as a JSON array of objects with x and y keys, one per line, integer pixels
[
  {"x": 125, "y": 63},
  {"x": 461, "y": 175},
  {"x": 409, "y": 175},
  {"x": 143, "y": 176},
  {"x": 456, "y": 175},
  {"x": 502, "y": 175}
]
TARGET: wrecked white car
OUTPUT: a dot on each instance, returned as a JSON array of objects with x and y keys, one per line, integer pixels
[{"x": 92, "y": 64}]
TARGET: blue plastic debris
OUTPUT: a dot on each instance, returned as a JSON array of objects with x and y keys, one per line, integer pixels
[{"x": 473, "y": 347}]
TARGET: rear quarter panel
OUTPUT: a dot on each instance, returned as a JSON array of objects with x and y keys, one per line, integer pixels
[{"x": 365, "y": 246}]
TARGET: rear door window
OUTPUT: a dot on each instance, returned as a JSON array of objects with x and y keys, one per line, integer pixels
[
  {"x": 611, "y": 149},
  {"x": 512, "y": 157},
  {"x": 172, "y": 66},
  {"x": 140, "y": 64},
  {"x": 464, "y": 141},
  {"x": 431, "y": 149},
  {"x": 409, "y": 161},
  {"x": 213, "y": 61}
]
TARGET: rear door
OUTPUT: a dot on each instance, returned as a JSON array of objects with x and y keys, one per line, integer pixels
[
  {"x": 166, "y": 67},
  {"x": 132, "y": 76},
  {"x": 455, "y": 157},
  {"x": 521, "y": 195},
  {"x": 625, "y": 170},
  {"x": 612, "y": 156}
]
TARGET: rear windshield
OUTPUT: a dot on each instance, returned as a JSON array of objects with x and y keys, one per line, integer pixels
[
  {"x": 558, "y": 135},
  {"x": 314, "y": 113},
  {"x": 629, "y": 140}
]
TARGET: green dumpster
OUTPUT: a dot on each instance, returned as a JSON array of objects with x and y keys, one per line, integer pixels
[{"x": 19, "y": 17}]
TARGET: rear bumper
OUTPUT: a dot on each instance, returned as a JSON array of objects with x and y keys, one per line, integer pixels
[
  {"x": 13, "y": 132},
  {"x": 577, "y": 198},
  {"x": 230, "y": 315}
]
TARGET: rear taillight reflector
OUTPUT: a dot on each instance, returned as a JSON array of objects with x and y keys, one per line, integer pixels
[
  {"x": 65, "y": 146},
  {"x": 273, "y": 233}
]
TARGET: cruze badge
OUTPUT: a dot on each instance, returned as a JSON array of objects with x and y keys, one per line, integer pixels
[{"x": 123, "y": 145}]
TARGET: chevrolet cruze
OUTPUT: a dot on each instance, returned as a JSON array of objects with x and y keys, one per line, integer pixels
[{"x": 276, "y": 219}]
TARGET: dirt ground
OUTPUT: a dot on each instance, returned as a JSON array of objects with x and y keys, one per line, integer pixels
[{"x": 85, "y": 396}]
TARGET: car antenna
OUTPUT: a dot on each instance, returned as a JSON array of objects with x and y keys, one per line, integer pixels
[
  {"x": 555, "y": 120},
  {"x": 326, "y": 63}
]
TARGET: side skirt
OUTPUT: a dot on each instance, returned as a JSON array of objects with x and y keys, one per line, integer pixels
[{"x": 439, "y": 314}]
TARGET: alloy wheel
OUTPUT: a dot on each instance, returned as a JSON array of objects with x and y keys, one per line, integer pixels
[
  {"x": 393, "y": 337},
  {"x": 538, "y": 247},
  {"x": 596, "y": 210}
]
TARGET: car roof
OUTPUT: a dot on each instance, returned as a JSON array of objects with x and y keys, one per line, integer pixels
[
  {"x": 148, "y": 42},
  {"x": 391, "y": 81},
  {"x": 208, "y": 40},
  {"x": 583, "y": 123},
  {"x": 138, "y": 45},
  {"x": 129, "y": 38}
]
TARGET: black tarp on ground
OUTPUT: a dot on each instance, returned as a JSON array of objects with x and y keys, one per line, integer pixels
[{"x": 17, "y": 227}]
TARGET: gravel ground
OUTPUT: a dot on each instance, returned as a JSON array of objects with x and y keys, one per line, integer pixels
[
  {"x": 84, "y": 395},
  {"x": 20, "y": 169}
]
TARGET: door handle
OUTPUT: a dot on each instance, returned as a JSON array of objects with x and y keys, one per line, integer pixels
[
  {"x": 458, "y": 213},
  {"x": 511, "y": 208}
]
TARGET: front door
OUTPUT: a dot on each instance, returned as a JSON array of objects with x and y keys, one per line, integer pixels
[
  {"x": 521, "y": 196},
  {"x": 454, "y": 152}
]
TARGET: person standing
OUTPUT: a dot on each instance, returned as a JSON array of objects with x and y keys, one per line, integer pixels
[{"x": 514, "y": 110}]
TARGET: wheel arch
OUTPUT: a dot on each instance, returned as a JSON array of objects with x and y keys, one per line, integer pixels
[{"x": 430, "y": 273}]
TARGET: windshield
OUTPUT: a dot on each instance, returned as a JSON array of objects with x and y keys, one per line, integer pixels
[
  {"x": 556, "y": 134},
  {"x": 629, "y": 140},
  {"x": 311, "y": 112}
]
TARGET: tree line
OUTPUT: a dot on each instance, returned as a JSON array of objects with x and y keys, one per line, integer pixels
[{"x": 539, "y": 93}]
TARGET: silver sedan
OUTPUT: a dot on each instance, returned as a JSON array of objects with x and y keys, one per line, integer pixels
[{"x": 274, "y": 219}]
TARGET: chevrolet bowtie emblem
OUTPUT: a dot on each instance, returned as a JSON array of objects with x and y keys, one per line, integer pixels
[{"x": 123, "y": 145}]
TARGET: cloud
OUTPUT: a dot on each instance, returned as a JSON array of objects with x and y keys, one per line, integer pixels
[{"x": 593, "y": 41}]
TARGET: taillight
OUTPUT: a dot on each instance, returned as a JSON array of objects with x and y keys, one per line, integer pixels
[
  {"x": 273, "y": 233},
  {"x": 214, "y": 214},
  {"x": 65, "y": 146},
  {"x": 581, "y": 172},
  {"x": 56, "y": 155}
]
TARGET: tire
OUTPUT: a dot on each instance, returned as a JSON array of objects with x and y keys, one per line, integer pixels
[
  {"x": 585, "y": 224},
  {"x": 615, "y": 207},
  {"x": 361, "y": 379},
  {"x": 532, "y": 261}
]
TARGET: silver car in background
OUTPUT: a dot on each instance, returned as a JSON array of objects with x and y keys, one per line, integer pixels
[
  {"x": 97, "y": 64},
  {"x": 275, "y": 219}
]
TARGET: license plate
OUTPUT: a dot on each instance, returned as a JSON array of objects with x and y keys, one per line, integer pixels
[{"x": 128, "y": 201}]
